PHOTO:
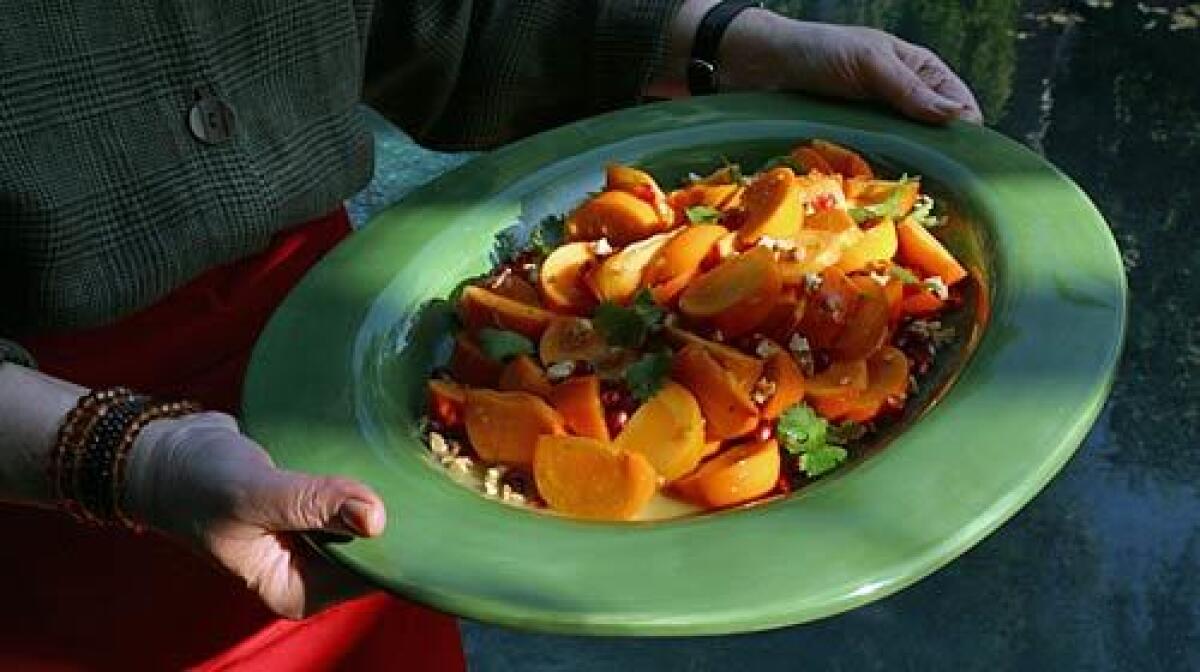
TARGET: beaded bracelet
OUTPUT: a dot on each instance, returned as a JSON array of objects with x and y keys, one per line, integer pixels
[{"x": 87, "y": 465}]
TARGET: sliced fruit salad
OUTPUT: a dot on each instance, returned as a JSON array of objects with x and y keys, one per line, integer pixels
[{"x": 721, "y": 343}]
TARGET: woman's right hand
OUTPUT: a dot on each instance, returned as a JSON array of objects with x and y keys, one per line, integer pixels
[{"x": 199, "y": 479}]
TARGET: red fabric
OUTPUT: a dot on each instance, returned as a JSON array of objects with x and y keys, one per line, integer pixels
[{"x": 82, "y": 599}]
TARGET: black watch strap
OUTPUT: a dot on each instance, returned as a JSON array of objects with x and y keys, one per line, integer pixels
[{"x": 702, "y": 72}]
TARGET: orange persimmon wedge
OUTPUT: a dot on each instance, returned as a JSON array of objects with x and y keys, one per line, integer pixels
[
  {"x": 716, "y": 196},
  {"x": 642, "y": 185},
  {"x": 834, "y": 220},
  {"x": 878, "y": 243},
  {"x": 618, "y": 277},
  {"x": 481, "y": 308},
  {"x": 828, "y": 308},
  {"x": 736, "y": 295},
  {"x": 512, "y": 286},
  {"x": 504, "y": 426},
  {"x": 921, "y": 302},
  {"x": 523, "y": 374},
  {"x": 919, "y": 249},
  {"x": 668, "y": 430},
  {"x": 586, "y": 478},
  {"x": 772, "y": 205},
  {"x": 741, "y": 474},
  {"x": 726, "y": 405},
  {"x": 867, "y": 324},
  {"x": 840, "y": 379},
  {"x": 887, "y": 373},
  {"x": 446, "y": 401},
  {"x": 468, "y": 364},
  {"x": 862, "y": 192},
  {"x": 844, "y": 161},
  {"x": 561, "y": 278},
  {"x": 820, "y": 191},
  {"x": 678, "y": 261},
  {"x": 811, "y": 160},
  {"x": 571, "y": 339},
  {"x": 619, "y": 216},
  {"x": 578, "y": 400},
  {"x": 783, "y": 372},
  {"x": 745, "y": 369}
]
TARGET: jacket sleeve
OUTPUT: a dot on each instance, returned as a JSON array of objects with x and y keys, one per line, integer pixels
[{"x": 478, "y": 73}]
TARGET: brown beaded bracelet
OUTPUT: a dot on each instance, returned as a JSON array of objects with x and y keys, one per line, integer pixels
[{"x": 86, "y": 467}]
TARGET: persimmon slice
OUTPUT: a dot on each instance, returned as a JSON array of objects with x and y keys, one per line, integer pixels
[
  {"x": 578, "y": 400},
  {"x": 772, "y": 205},
  {"x": 741, "y": 474},
  {"x": 586, "y": 478},
  {"x": 736, "y": 295},
  {"x": 727, "y": 407},
  {"x": 668, "y": 429},
  {"x": 481, "y": 308},
  {"x": 920, "y": 250},
  {"x": 619, "y": 216},
  {"x": 523, "y": 374},
  {"x": 561, "y": 278},
  {"x": 678, "y": 261},
  {"x": 504, "y": 426}
]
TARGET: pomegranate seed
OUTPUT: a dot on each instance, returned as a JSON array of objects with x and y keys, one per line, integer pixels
[
  {"x": 765, "y": 431},
  {"x": 616, "y": 421}
]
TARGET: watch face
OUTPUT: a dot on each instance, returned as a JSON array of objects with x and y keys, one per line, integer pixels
[{"x": 702, "y": 77}]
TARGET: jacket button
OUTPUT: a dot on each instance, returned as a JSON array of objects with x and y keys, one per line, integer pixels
[{"x": 210, "y": 119}]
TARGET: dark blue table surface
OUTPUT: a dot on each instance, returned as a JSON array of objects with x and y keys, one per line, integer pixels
[{"x": 1100, "y": 571}]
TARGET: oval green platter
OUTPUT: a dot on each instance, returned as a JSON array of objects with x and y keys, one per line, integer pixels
[{"x": 336, "y": 387}]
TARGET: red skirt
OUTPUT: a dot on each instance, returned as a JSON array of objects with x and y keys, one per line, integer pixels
[{"x": 76, "y": 598}]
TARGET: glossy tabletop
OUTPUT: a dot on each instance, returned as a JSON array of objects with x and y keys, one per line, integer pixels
[{"x": 1102, "y": 569}]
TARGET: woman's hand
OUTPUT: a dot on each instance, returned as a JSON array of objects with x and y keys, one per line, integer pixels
[
  {"x": 763, "y": 50},
  {"x": 200, "y": 480}
]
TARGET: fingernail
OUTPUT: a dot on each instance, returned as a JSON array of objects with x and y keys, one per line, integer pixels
[{"x": 360, "y": 516}]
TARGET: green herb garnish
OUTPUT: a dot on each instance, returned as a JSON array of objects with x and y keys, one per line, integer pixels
[
  {"x": 646, "y": 376},
  {"x": 805, "y": 434},
  {"x": 903, "y": 275},
  {"x": 629, "y": 327},
  {"x": 702, "y": 214},
  {"x": 501, "y": 345},
  {"x": 890, "y": 207}
]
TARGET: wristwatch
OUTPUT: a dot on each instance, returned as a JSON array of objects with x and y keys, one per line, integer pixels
[{"x": 702, "y": 73}]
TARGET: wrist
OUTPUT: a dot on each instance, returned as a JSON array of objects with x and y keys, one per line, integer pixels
[
  {"x": 671, "y": 81},
  {"x": 747, "y": 53}
]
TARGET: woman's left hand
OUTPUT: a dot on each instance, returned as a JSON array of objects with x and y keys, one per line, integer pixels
[{"x": 762, "y": 50}]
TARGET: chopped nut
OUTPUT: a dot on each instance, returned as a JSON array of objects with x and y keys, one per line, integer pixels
[
  {"x": 765, "y": 348},
  {"x": 937, "y": 287},
  {"x": 812, "y": 282},
  {"x": 560, "y": 370},
  {"x": 602, "y": 248},
  {"x": 799, "y": 344},
  {"x": 438, "y": 445},
  {"x": 763, "y": 391}
]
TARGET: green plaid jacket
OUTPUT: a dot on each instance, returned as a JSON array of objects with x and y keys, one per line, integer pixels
[{"x": 143, "y": 142}]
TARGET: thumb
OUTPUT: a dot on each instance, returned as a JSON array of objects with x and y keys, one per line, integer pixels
[
  {"x": 893, "y": 82},
  {"x": 293, "y": 502}
]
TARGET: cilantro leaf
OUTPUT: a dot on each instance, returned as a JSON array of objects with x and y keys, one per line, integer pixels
[
  {"x": 822, "y": 460},
  {"x": 702, "y": 214},
  {"x": 890, "y": 207},
  {"x": 903, "y": 275},
  {"x": 548, "y": 234},
  {"x": 629, "y": 327},
  {"x": 805, "y": 434},
  {"x": 500, "y": 344},
  {"x": 846, "y": 432},
  {"x": 506, "y": 246},
  {"x": 801, "y": 430},
  {"x": 646, "y": 376}
]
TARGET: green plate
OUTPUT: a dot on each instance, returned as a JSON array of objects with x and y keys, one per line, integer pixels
[{"x": 336, "y": 386}]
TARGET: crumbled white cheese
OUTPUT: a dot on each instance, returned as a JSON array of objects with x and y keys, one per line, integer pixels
[
  {"x": 778, "y": 244},
  {"x": 694, "y": 178},
  {"x": 718, "y": 336},
  {"x": 510, "y": 495},
  {"x": 763, "y": 391},
  {"x": 882, "y": 278},
  {"x": 765, "y": 348},
  {"x": 461, "y": 465},
  {"x": 560, "y": 370},
  {"x": 799, "y": 345},
  {"x": 933, "y": 331},
  {"x": 602, "y": 248},
  {"x": 912, "y": 384},
  {"x": 438, "y": 445},
  {"x": 671, "y": 320},
  {"x": 531, "y": 272},
  {"x": 937, "y": 287},
  {"x": 812, "y": 282}
]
